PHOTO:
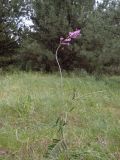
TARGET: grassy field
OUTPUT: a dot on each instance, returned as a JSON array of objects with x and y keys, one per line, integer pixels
[{"x": 40, "y": 121}]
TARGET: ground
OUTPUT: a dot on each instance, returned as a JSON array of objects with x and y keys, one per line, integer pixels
[{"x": 40, "y": 120}]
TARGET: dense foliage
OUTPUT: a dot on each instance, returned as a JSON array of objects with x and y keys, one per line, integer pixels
[{"x": 97, "y": 50}]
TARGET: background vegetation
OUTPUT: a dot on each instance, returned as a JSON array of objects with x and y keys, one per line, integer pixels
[{"x": 97, "y": 50}]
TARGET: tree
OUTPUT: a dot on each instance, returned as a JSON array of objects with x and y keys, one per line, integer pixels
[
  {"x": 97, "y": 50},
  {"x": 102, "y": 37},
  {"x": 11, "y": 13},
  {"x": 53, "y": 19}
]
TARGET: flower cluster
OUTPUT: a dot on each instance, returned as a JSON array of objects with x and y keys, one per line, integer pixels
[{"x": 71, "y": 36}]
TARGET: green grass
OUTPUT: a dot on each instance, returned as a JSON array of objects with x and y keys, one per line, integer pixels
[{"x": 30, "y": 104}]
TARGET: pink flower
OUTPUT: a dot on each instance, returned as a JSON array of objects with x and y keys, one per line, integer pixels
[
  {"x": 65, "y": 41},
  {"x": 74, "y": 34},
  {"x": 71, "y": 36}
]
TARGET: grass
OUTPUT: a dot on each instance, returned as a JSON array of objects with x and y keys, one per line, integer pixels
[{"x": 31, "y": 103}]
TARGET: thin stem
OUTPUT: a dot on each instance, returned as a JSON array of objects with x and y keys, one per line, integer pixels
[{"x": 60, "y": 70}]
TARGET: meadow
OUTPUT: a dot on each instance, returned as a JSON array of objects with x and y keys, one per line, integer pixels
[{"x": 39, "y": 120}]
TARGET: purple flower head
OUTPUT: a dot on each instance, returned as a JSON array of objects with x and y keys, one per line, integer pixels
[
  {"x": 65, "y": 41},
  {"x": 74, "y": 34},
  {"x": 70, "y": 37}
]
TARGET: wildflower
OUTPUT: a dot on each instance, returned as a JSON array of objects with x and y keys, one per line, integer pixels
[
  {"x": 74, "y": 34},
  {"x": 71, "y": 36},
  {"x": 65, "y": 41}
]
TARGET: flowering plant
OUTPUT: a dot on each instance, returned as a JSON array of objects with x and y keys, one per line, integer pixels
[
  {"x": 66, "y": 42},
  {"x": 71, "y": 36}
]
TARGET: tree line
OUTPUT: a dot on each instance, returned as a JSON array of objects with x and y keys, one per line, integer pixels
[{"x": 33, "y": 48}]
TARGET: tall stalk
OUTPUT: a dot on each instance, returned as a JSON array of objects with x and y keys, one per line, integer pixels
[{"x": 60, "y": 70}]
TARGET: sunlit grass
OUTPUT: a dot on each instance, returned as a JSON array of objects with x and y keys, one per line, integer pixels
[{"x": 30, "y": 104}]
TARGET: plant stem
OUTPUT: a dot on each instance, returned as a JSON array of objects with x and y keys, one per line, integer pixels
[{"x": 60, "y": 70}]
